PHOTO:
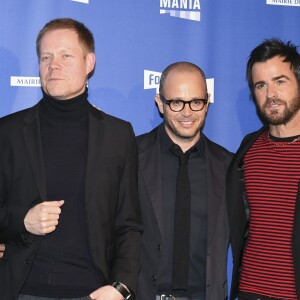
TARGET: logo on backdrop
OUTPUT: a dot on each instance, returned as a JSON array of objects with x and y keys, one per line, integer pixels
[
  {"x": 25, "y": 81},
  {"x": 185, "y": 9},
  {"x": 152, "y": 79},
  {"x": 284, "y": 2},
  {"x": 81, "y": 1}
]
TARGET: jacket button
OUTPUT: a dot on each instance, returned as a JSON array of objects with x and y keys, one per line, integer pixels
[
  {"x": 159, "y": 247},
  {"x": 27, "y": 262},
  {"x": 153, "y": 277}
]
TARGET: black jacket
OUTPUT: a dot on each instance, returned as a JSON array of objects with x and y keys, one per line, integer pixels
[
  {"x": 217, "y": 161},
  {"x": 111, "y": 197}
]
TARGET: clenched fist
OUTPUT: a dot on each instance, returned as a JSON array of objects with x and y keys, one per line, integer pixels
[
  {"x": 2, "y": 248},
  {"x": 43, "y": 218}
]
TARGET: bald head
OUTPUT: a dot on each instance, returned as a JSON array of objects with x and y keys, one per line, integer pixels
[{"x": 179, "y": 67}]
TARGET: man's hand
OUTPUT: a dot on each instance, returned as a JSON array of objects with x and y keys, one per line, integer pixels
[
  {"x": 2, "y": 248},
  {"x": 43, "y": 218},
  {"x": 106, "y": 293}
]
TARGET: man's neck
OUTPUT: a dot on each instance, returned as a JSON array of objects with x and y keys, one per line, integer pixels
[{"x": 184, "y": 143}]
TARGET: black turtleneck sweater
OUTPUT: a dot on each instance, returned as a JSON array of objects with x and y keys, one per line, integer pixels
[{"x": 63, "y": 266}]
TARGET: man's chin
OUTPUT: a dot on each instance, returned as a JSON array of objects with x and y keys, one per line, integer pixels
[
  {"x": 56, "y": 95},
  {"x": 277, "y": 118},
  {"x": 187, "y": 136}
]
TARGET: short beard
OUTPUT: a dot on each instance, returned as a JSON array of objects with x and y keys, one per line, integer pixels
[
  {"x": 179, "y": 136},
  {"x": 279, "y": 119}
]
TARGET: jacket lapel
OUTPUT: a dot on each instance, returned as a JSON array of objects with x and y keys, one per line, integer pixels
[
  {"x": 246, "y": 143},
  {"x": 95, "y": 135},
  {"x": 215, "y": 187},
  {"x": 33, "y": 144},
  {"x": 150, "y": 166}
]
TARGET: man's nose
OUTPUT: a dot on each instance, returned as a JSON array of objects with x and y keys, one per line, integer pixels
[
  {"x": 186, "y": 109},
  {"x": 54, "y": 63},
  {"x": 271, "y": 91}
]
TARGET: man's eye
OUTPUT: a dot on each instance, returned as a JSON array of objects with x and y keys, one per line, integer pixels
[
  {"x": 280, "y": 81},
  {"x": 45, "y": 58},
  {"x": 197, "y": 102},
  {"x": 259, "y": 86},
  {"x": 177, "y": 102}
]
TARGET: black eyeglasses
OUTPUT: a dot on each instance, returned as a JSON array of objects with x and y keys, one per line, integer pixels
[{"x": 178, "y": 105}]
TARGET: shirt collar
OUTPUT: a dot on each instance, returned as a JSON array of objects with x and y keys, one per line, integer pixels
[{"x": 166, "y": 142}]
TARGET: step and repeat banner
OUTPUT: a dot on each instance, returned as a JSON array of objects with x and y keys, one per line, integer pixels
[{"x": 137, "y": 39}]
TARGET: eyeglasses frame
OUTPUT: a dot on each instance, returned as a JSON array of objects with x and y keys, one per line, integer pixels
[{"x": 168, "y": 102}]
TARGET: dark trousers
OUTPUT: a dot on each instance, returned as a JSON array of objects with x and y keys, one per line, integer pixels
[
  {"x": 250, "y": 296},
  {"x": 29, "y": 297}
]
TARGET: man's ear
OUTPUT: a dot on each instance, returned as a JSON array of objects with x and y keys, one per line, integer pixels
[
  {"x": 91, "y": 61},
  {"x": 208, "y": 102},
  {"x": 159, "y": 104}
]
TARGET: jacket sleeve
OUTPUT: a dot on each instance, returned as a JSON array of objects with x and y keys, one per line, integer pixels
[
  {"x": 18, "y": 190},
  {"x": 128, "y": 227}
]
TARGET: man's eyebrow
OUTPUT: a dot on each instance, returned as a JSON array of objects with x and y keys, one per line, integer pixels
[
  {"x": 280, "y": 77},
  {"x": 259, "y": 82},
  {"x": 273, "y": 79}
]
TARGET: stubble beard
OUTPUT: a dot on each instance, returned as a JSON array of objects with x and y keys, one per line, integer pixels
[
  {"x": 276, "y": 118},
  {"x": 179, "y": 135}
]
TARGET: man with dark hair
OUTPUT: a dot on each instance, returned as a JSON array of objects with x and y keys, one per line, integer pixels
[
  {"x": 263, "y": 181},
  {"x": 69, "y": 211},
  {"x": 182, "y": 192}
]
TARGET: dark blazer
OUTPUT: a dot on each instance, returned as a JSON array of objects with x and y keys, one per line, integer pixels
[
  {"x": 217, "y": 161},
  {"x": 238, "y": 214},
  {"x": 111, "y": 197}
]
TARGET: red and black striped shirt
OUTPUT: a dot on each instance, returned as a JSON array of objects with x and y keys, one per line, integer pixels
[{"x": 272, "y": 173}]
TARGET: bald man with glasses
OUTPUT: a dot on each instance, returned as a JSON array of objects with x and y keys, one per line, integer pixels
[{"x": 182, "y": 193}]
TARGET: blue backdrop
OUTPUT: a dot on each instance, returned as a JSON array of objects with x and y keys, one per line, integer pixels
[{"x": 136, "y": 40}]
